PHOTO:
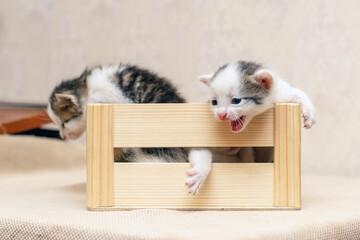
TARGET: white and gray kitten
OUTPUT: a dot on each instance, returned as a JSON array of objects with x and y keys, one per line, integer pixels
[{"x": 240, "y": 91}]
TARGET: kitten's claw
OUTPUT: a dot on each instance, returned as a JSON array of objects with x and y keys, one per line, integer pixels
[
  {"x": 309, "y": 118},
  {"x": 195, "y": 180}
]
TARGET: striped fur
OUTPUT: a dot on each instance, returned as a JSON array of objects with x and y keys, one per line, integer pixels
[{"x": 120, "y": 83}]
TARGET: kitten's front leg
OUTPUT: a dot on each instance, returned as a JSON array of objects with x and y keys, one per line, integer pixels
[
  {"x": 200, "y": 159},
  {"x": 307, "y": 108}
]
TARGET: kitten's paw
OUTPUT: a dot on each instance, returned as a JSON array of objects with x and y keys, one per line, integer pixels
[
  {"x": 309, "y": 118},
  {"x": 195, "y": 180}
]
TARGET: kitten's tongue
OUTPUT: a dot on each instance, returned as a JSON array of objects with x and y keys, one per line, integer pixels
[{"x": 237, "y": 124}]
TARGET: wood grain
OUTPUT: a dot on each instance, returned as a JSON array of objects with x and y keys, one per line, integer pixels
[
  {"x": 184, "y": 125},
  {"x": 100, "y": 155},
  {"x": 287, "y": 155},
  {"x": 102, "y": 209},
  {"x": 229, "y": 185},
  {"x": 161, "y": 185}
]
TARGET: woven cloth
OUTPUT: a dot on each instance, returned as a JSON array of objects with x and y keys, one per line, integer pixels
[{"x": 42, "y": 196}]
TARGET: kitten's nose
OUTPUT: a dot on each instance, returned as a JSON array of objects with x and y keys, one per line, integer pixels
[
  {"x": 222, "y": 116},
  {"x": 62, "y": 135}
]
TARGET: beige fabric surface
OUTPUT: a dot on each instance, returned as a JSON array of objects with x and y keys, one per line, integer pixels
[{"x": 43, "y": 197}]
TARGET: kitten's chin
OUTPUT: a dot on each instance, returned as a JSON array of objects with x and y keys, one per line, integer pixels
[
  {"x": 71, "y": 136},
  {"x": 239, "y": 124}
]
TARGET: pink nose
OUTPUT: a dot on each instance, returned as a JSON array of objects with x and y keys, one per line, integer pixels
[{"x": 222, "y": 116}]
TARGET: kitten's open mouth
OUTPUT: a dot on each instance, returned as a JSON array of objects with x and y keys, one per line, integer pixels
[{"x": 237, "y": 125}]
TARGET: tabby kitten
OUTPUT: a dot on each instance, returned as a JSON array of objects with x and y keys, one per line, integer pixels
[{"x": 120, "y": 83}]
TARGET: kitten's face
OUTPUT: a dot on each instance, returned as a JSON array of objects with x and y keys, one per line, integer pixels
[
  {"x": 68, "y": 114},
  {"x": 67, "y": 106},
  {"x": 236, "y": 96}
]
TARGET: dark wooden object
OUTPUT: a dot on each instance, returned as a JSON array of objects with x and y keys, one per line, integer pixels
[{"x": 17, "y": 119}]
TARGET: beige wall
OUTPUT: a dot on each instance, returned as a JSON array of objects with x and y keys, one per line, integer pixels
[{"x": 315, "y": 45}]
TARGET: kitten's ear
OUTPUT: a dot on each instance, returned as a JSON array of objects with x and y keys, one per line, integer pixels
[
  {"x": 84, "y": 74},
  {"x": 264, "y": 78},
  {"x": 206, "y": 78},
  {"x": 66, "y": 98}
]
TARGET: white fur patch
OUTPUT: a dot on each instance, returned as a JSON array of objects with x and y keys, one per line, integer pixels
[
  {"x": 102, "y": 86},
  {"x": 226, "y": 81}
]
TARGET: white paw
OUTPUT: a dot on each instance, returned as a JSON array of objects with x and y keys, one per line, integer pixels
[
  {"x": 309, "y": 117},
  {"x": 195, "y": 180}
]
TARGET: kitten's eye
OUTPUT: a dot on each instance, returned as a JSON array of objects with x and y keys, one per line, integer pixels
[
  {"x": 236, "y": 101},
  {"x": 65, "y": 108},
  {"x": 214, "y": 102},
  {"x": 63, "y": 125}
]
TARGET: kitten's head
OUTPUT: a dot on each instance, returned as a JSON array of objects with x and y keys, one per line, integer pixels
[
  {"x": 67, "y": 107},
  {"x": 239, "y": 92}
]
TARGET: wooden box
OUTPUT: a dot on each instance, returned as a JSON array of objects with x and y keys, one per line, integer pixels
[{"x": 119, "y": 186}]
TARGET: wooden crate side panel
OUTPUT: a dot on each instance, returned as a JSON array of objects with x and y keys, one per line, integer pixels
[
  {"x": 287, "y": 155},
  {"x": 184, "y": 125},
  {"x": 99, "y": 155},
  {"x": 229, "y": 185}
]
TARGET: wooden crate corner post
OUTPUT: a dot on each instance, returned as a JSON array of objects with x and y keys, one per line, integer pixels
[
  {"x": 287, "y": 155},
  {"x": 99, "y": 155}
]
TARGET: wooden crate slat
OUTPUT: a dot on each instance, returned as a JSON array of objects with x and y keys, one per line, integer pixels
[
  {"x": 184, "y": 125},
  {"x": 162, "y": 185}
]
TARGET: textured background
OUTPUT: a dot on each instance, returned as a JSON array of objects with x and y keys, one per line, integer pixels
[{"x": 312, "y": 44}]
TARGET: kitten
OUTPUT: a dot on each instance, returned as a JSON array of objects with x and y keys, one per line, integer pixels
[
  {"x": 114, "y": 84},
  {"x": 242, "y": 90}
]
